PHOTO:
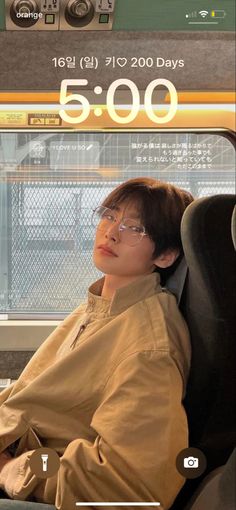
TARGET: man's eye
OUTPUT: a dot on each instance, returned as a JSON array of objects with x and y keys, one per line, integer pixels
[
  {"x": 108, "y": 217},
  {"x": 134, "y": 228}
]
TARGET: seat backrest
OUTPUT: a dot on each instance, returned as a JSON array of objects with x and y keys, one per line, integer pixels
[
  {"x": 217, "y": 491},
  {"x": 208, "y": 305}
]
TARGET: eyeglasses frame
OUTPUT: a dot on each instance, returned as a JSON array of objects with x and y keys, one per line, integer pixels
[{"x": 143, "y": 234}]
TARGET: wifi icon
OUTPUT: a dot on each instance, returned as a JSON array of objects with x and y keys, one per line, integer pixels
[{"x": 203, "y": 13}]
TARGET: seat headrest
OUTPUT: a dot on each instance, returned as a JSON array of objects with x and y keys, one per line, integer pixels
[
  {"x": 175, "y": 282},
  {"x": 208, "y": 248}
]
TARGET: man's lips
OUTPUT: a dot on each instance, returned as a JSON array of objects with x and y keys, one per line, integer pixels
[{"x": 106, "y": 250}]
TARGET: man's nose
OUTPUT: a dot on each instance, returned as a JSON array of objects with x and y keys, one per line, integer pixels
[{"x": 113, "y": 232}]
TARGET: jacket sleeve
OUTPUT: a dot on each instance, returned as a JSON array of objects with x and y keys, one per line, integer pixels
[
  {"x": 5, "y": 394},
  {"x": 140, "y": 428}
]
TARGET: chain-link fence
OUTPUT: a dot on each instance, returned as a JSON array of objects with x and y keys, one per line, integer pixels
[{"x": 51, "y": 245}]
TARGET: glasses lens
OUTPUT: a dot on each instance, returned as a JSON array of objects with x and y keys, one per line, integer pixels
[
  {"x": 131, "y": 232},
  {"x": 96, "y": 217},
  {"x": 102, "y": 218}
]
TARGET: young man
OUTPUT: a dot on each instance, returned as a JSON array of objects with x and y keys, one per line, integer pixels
[{"x": 105, "y": 389}]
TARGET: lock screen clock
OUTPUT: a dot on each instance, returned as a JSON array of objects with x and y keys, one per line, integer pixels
[{"x": 77, "y": 101}]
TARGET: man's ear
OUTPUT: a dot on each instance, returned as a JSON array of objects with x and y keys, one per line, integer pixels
[{"x": 167, "y": 258}]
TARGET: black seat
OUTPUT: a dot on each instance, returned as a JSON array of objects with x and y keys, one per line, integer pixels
[
  {"x": 208, "y": 305},
  {"x": 217, "y": 492}
]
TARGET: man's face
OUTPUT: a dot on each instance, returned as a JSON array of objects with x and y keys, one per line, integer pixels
[{"x": 125, "y": 260}]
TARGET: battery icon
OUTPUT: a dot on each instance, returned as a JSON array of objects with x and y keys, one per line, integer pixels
[{"x": 218, "y": 14}]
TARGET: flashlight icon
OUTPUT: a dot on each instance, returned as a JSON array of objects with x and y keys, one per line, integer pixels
[
  {"x": 44, "y": 458},
  {"x": 218, "y": 14}
]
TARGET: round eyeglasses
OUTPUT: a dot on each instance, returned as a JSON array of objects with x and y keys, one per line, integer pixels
[{"x": 130, "y": 230}]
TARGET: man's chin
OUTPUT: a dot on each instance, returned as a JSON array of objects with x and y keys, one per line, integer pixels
[{"x": 100, "y": 266}]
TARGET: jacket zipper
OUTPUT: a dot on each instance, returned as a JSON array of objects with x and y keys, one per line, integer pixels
[{"x": 81, "y": 330}]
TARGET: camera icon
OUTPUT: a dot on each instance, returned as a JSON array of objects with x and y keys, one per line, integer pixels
[{"x": 191, "y": 462}]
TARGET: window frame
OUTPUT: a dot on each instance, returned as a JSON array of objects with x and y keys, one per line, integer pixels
[{"x": 39, "y": 319}]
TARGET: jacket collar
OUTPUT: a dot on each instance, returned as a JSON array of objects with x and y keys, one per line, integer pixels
[{"x": 140, "y": 289}]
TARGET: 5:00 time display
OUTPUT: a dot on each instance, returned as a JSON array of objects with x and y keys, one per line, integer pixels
[{"x": 85, "y": 107}]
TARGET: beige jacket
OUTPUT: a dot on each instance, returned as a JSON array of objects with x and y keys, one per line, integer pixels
[{"x": 105, "y": 391}]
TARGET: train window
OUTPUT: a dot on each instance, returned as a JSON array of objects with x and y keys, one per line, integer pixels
[{"x": 50, "y": 184}]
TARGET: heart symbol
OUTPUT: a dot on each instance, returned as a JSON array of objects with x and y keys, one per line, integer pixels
[{"x": 121, "y": 61}]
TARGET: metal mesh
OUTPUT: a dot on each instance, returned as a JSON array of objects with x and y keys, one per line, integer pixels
[
  {"x": 48, "y": 197},
  {"x": 51, "y": 249}
]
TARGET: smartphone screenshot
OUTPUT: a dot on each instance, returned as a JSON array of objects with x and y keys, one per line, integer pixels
[{"x": 117, "y": 254}]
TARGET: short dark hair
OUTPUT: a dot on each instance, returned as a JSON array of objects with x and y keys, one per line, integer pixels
[{"x": 161, "y": 206}]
